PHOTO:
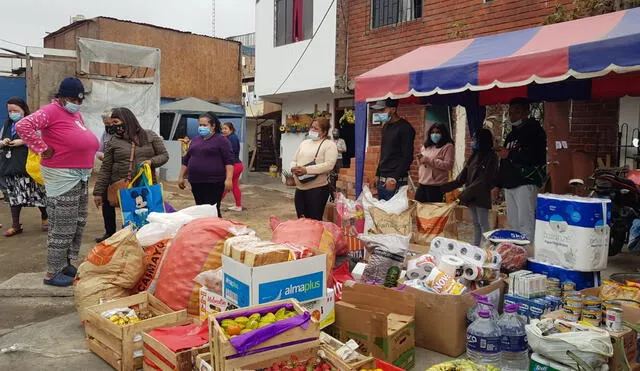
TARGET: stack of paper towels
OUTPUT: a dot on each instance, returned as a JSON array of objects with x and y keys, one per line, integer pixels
[{"x": 572, "y": 232}]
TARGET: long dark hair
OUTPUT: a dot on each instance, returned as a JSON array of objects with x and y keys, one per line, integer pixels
[
  {"x": 213, "y": 121},
  {"x": 133, "y": 132},
  {"x": 230, "y": 126},
  {"x": 20, "y": 103},
  {"x": 484, "y": 140},
  {"x": 444, "y": 132}
]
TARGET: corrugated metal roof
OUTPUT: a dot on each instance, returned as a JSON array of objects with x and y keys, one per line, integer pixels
[{"x": 195, "y": 105}]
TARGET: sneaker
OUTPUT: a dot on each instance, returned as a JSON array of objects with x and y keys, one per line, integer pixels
[
  {"x": 235, "y": 208},
  {"x": 70, "y": 271},
  {"x": 59, "y": 280}
]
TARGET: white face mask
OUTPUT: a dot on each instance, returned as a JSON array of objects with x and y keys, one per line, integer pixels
[
  {"x": 516, "y": 123},
  {"x": 314, "y": 135}
]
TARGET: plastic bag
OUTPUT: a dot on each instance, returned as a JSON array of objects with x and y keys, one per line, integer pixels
[
  {"x": 309, "y": 233},
  {"x": 339, "y": 276},
  {"x": 634, "y": 236},
  {"x": 33, "y": 167},
  {"x": 211, "y": 279},
  {"x": 166, "y": 225},
  {"x": 591, "y": 344},
  {"x": 397, "y": 204},
  {"x": 514, "y": 257},
  {"x": 386, "y": 251}
]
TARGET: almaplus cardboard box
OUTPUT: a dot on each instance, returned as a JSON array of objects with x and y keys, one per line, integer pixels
[
  {"x": 380, "y": 320},
  {"x": 441, "y": 320},
  {"x": 323, "y": 309},
  {"x": 304, "y": 280}
]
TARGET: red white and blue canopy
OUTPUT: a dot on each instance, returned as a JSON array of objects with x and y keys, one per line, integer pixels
[{"x": 518, "y": 64}]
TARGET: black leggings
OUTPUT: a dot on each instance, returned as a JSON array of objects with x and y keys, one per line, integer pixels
[
  {"x": 108, "y": 216},
  {"x": 208, "y": 194},
  {"x": 429, "y": 193},
  {"x": 15, "y": 215},
  {"x": 310, "y": 203}
]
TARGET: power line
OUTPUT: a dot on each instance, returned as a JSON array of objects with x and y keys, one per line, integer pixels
[
  {"x": 10, "y": 42},
  {"x": 306, "y": 48}
]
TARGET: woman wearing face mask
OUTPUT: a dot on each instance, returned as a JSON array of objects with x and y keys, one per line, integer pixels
[
  {"x": 106, "y": 136},
  {"x": 436, "y": 161},
  {"x": 477, "y": 177},
  {"x": 229, "y": 131},
  {"x": 68, "y": 150},
  {"x": 22, "y": 191},
  {"x": 311, "y": 165},
  {"x": 208, "y": 163},
  {"x": 128, "y": 136}
]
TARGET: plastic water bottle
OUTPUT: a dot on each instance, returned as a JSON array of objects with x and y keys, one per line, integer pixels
[
  {"x": 482, "y": 302},
  {"x": 513, "y": 345},
  {"x": 483, "y": 340}
]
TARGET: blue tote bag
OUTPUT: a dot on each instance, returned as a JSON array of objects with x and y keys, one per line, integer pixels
[{"x": 140, "y": 198}]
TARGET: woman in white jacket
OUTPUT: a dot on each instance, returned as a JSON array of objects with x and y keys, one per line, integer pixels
[{"x": 311, "y": 165}]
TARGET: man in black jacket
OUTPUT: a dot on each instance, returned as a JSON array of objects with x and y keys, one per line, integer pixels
[
  {"x": 396, "y": 150},
  {"x": 523, "y": 167}
]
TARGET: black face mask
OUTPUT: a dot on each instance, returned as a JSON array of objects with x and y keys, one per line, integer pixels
[
  {"x": 118, "y": 129},
  {"x": 111, "y": 130}
]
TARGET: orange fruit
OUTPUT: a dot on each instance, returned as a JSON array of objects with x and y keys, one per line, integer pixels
[{"x": 234, "y": 329}]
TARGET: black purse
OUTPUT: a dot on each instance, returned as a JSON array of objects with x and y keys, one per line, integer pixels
[{"x": 306, "y": 178}]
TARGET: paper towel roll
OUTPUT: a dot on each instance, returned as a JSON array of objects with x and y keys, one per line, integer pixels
[
  {"x": 438, "y": 246},
  {"x": 451, "y": 265},
  {"x": 415, "y": 271},
  {"x": 358, "y": 270},
  {"x": 472, "y": 272}
]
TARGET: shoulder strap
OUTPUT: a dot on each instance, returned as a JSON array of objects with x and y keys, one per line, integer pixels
[
  {"x": 318, "y": 151},
  {"x": 131, "y": 156}
]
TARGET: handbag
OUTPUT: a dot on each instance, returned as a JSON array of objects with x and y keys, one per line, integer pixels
[
  {"x": 112, "y": 191},
  {"x": 306, "y": 178},
  {"x": 140, "y": 198}
]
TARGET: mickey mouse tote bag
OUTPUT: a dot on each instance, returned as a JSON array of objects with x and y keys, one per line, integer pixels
[{"x": 140, "y": 198}]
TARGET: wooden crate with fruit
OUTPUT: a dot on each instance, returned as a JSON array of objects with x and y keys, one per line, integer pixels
[
  {"x": 158, "y": 356},
  {"x": 238, "y": 336},
  {"x": 115, "y": 334}
]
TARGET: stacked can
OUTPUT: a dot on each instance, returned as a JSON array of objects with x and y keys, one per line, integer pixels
[
  {"x": 592, "y": 310},
  {"x": 553, "y": 287},
  {"x": 572, "y": 308},
  {"x": 612, "y": 315},
  {"x": 568, "y": 286}
]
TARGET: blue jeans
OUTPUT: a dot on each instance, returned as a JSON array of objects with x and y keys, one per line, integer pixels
[
  {"x": 384, "y": 194},
  {"x": 480, "y": 217}
]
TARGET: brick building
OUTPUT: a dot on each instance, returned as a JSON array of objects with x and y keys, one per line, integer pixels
[{"x": 369, "y": 34}]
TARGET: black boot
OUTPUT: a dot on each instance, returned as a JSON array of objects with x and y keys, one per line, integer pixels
[{"x": 102, "y": 238}]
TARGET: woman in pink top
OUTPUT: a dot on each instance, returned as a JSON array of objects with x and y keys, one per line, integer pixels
[
  {"x": 436, "y": 161},
  {"x": 68, "y": 149}
]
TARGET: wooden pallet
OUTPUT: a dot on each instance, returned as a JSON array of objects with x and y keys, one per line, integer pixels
[
  {"x": 116, "y": 344},
  {"x": 167, "y": 360}
]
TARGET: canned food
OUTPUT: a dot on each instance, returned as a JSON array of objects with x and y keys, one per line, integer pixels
[
  {"x": 572, "y": 311},
  {"x": 592, "y": 301},
  {"x": 553, "y": 282},
  {"x": 573, "y": 302},
  {"x": 594, "y": 315},
  {"x": 571, "y": 293},
  {"x": 568, "y": 286},
  {"x": 554, "y": 291},
  {"x": 613, "y": 320},
  {"x": 593, "y": 322},
  {"x": 570, "y": 317}
]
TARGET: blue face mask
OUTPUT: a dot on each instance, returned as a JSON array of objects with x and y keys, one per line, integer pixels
[
  {"x": 382, "y": 117},
  {"x": 474, "y": 145},
  {"x": 435, "y": 138},
  {"x": 204, "y": 131},
  {"x": 72, "y": 107},
  {"x": 15, "y": 116}
]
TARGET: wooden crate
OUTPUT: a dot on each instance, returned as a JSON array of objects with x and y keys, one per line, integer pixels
[
  {"x": 204, "y": 362},
  {"x": 167, "y": 360},
  {"x": 222, "y": 349},
  {"x": 116, "y": 344}
]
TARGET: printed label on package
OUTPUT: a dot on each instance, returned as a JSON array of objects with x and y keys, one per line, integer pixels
[
  {"x": 514, "y": 343},
  {"x": 487, "y": 345},
  {"x": 236, "y": 292},
  {"x": 302, "y": 288}
]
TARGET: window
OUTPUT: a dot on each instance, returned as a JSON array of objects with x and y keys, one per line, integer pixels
[
  {"x": 386, "y": 12},
  {"x": 293, "y": 21}
]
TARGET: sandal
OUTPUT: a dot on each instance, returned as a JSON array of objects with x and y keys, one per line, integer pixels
[
  {"x": 59, "y": 280},
  {"x": 45, "y": 225},
  {"x": 13, "y": 231}
]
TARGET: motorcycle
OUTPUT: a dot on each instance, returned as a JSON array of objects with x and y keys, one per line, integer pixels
[{"x": 614, "y": 184}]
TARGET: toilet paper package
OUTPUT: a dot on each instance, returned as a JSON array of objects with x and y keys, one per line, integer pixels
[{"x": 572, "y": 232}]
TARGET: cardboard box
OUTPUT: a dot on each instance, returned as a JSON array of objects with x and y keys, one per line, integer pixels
[
  {"x": 441, "y": 320},
  {"x": 380, "y": 320},
  {"x": 323, "y": 309},
  {"x": 211, "y": 303},
  {"x": 304, "y": 280},
  {"x": 204, "y": 362}
]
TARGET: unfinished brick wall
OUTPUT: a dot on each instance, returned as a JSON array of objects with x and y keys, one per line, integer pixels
[{"x": 594, "y": 128}]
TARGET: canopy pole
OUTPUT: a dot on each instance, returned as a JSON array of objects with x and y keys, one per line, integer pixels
[{"x": 361, "y": 144}]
